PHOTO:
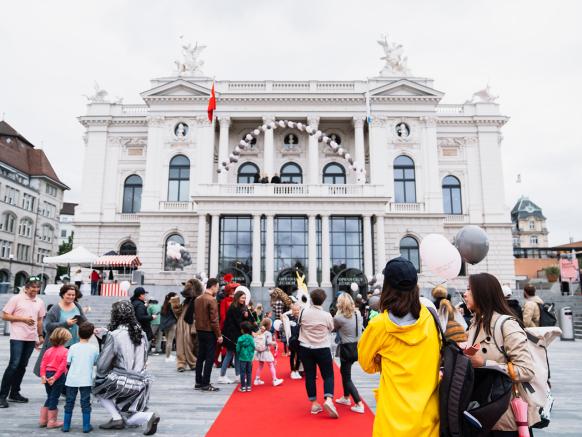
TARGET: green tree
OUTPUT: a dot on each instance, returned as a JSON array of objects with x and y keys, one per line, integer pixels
[{"x": 64, "y": 247}]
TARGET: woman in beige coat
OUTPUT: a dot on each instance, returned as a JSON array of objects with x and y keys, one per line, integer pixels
[
  {"x": 186, "y": 341},
  {"x": 484, "y": 298}
]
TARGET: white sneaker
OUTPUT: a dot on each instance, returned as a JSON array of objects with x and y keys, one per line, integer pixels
[
  {"x": 170, "y": 359},
  {"x": 277, "y": 382},
  {"x": 295, "y": 375},
  {"x": 358, "y": 409},
  {"x": 259, "y": 382},
  {"x": 236, "y": 380},
  {"x": 343, "y": 401},
  {"x": 329, "y": 408},
  {"x": 223, "y": 380}
]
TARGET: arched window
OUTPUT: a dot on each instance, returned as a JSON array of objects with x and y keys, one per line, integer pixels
[
  {"x": 409, "y": 250},
  {"x": 4, "y": 275},
  {"x": 132, "y": 194},
  {"x": 334, "y": 173},
  {"x": 179, "y": 179},
  {"x": 404, "y": 180},
  {"x": 128, "y": 248},
  {"x": 25, "y": 227},
  {"x": 248, "y": 173},
  {"x": 169, "y": 262},
  {"x": 452, "y": 195},
  {"x": 8, "y": 222},
  {"x": 291, "y": 173}
]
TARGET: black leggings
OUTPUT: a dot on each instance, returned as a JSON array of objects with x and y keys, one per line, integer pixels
[
  {"x": 294, "y": 360},
  {"x": 349, "y": 387},
  {"x": 507, "y": 433}
]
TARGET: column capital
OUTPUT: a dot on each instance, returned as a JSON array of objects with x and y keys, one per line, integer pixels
[
  {"x": 269, "y": 214},
  {"x": 313, "y": 120},
  {"x": 224, "y": 121},
  {"x": 268, "y": 119},
  {"x": 257, "y": 214},
  {"x": 367, "y": 214},
  {"x": 358, "y": 121}
]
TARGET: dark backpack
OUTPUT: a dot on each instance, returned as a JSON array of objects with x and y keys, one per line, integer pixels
[
  {"x": 294, "y": 337},
  {"x": 456, "y": 385},
  {"x": 547, "y": 314}
]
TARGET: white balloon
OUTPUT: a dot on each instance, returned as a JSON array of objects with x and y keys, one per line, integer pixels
[
  {"x": 246, "y": 291},
  {"x": 264, "y": 127},
  {"x": 272, "y": 125},
  {"x": 236, "y": 150},
  {"x": 257, "y": 132},
  {"x": 319, "y": 133},
  {"x": 291, "y": 124},
  {"x": 354, "y": 287},
  {"x": 124, "y": 286},
  {"x": 333, "y": 145},
  {"x": 340, "y": 151},
  {"x": 300, "y": 126},
  {"x": 308, "y": 129},
  {"x": 440, "y": 257},
  {"x": 348, "y": 156},
  {"x": 281, "y": 123},
  {"x": 325, "y": 139},
  {"x": 248, "y": 137}
]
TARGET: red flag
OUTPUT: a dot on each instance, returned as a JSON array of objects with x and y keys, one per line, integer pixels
[{"x": 211, "y": 103}]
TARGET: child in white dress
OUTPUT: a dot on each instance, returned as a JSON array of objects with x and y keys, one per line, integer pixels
[{"x": 263, "y": 342}]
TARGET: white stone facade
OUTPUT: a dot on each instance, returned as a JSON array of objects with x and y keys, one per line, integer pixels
[{"x": 123, "y": 140}]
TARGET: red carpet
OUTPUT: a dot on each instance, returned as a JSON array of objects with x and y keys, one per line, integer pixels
[{"x": 285, "y": 410}]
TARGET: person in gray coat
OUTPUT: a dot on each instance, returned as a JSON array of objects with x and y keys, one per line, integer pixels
[{"x": 66, "y": 314}]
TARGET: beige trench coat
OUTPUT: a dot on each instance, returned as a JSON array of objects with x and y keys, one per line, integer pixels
[{"x": 515, "y": 345}]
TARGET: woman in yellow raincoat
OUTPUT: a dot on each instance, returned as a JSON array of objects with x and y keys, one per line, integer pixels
[{"x": 403, "y": 344}]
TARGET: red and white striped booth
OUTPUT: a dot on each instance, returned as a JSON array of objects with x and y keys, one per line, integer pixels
[{"x": 116, "y": 262}]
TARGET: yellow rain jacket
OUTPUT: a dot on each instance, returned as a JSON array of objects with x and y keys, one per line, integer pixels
[{"x": 407, "y": 402}]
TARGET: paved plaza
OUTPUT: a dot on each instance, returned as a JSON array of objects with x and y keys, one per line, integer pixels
[{"x": 186, "y": 412}]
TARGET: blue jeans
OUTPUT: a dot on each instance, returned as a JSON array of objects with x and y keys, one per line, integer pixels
[
  {"x": 226, "y": 363},
  {"x": 72, "y": 397},
  {"x": 20, "y": 352},
  {"x": 53, "y": 392},
  {"x": 246, "y": 370}
]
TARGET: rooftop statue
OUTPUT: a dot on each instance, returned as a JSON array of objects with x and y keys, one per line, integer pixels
[
  {"x": 191, "y": 65},
  {"x": 483, "y": 96},
  {"x": 99, "y": 96},
  {"x": 396, "y": 62}
]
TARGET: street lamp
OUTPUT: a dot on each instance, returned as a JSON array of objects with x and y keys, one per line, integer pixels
[{"x": 11, "y": 258}]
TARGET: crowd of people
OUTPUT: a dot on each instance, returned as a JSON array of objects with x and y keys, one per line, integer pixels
[{"x": 394, "y": 332}]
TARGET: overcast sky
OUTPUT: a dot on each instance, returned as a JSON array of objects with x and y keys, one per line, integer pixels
[{"x": 529, "y": 51}]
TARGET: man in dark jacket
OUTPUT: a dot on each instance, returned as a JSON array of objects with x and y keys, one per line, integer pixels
[
  {"x": 513, "y": 303},
  {"x": 141, "y": 312}
]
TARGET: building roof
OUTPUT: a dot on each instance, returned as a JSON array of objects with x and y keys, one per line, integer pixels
[
  {"x": 19, "y": 153},
  {"x": 525, "y": 208},
  {"x": 572, "y": 245},
  {"x": 68, "y": 208}
]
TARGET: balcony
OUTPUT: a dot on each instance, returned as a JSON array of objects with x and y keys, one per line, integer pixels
[
  {"x": 406, "y": 208},
  {"x": 452, "y": 219},
  {"x": 290, "y": 190},
  {"x": 126, "y": 217},
  {"x": 175, "y": 206}
]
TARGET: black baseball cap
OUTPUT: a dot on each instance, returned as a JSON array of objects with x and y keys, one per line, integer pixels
[{"x": 401, "y": 274}]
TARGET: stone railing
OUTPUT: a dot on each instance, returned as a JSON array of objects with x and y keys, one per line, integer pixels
[
  {"x": 246, "y": 86},
  {"x": 166, "y": 205},
  {"x": 456, "y": 218},
  {"x": 134, "y": 109},
  {"x": 290, "y": 190},
  {"x": 290, "y": 86},
  {"x": 126, "y": 217},
  {"x": 406, "y": 208},
  {"x": 450, "y": 109},
  {"x": 335, "y": 86}
]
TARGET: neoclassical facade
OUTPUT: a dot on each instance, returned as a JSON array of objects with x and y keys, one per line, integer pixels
[{"x": 417, "y": 166}]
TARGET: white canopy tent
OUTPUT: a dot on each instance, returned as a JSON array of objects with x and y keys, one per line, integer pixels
[{"x": 78, "y": 256}]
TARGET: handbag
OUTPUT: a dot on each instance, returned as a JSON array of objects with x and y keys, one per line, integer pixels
[{"x": 349, "y": 351}]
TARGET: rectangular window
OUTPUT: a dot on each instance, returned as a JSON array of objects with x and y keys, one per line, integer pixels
[
  {"x": 63, "y": 233},
  {"x": 5, "y": 248},
  {"x": 346, "y": 243},
  {"x": 291, "y": 247},
  {"x": 235, "y": 253}
]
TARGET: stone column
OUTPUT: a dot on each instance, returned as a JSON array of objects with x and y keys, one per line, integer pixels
[
  {"x": 269, "y": 149},
  {"x": 380, "y": 243},
  {"x": 325, "y": 254},
  {"x": 256, "y": 281},
  {"x": 433, "y": 195},
  {"x": 201, "y": 247},
  {"x": 223, "y": 146},
  {"x": 214, "y": 242},
  {"x": 368, "y": 265},
  {"x": 312, "y": 252},
  {"x": 270, "y": 252},
  {"x": 381, "y": 172},
  {"x": 313, "y": 153},
  {"x": 359, "y": 152}
]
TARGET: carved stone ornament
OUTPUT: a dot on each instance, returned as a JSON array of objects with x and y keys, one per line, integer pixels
[
  {"x": 291, "y": 144},
  {"x": 483, "y": 96},
  {"x": 181, "y": 131},
  {"x": 456, "y": 141},
  {"x": 156, "y": 120},
  {"x": 191, "y": 64},
  {"x": 396, "y": 64},
  {"x": 99, "y": 96}
]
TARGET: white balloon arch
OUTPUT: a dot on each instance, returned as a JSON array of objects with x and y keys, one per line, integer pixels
[{"x": 321, "y": 137}]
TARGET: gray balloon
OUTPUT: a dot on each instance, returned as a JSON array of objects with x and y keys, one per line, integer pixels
[{"x": 472, "y": 243}]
